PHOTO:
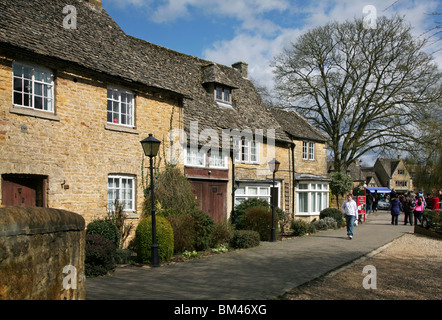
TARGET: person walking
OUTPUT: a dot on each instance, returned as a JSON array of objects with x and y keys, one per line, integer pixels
[
  {"x": 375, "y": 201},
  {"x": 395, "y": 209},
  {"x": 369, "y": 202},
  {"x": 409, "y": 206},
  {"x": 350, "y": 209},
  {"x": 418, "y": 210}
]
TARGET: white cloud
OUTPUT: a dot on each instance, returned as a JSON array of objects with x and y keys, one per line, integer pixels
[{"x": 258, "y": 49}]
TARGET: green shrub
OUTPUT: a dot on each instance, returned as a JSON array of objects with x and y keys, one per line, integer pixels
[
  {"x": 333, "y": 213},
  {"x": 172, "y": 190},
  {"x": 99, "y": 255},
  {"x": 105, "y": 228},
  {"x": 240, "y": 210},
  {"x": 300, "y": 227},
  {"x": 183, "y": 232},
  {"x": 244, "y": 239},
  {"x": 203, "y": 227},
  {"x": 143, "y": 239},
  {"x": 324, "y": 224},
  {"x": 259, "y": 219},
  {"x": 222, "y": 233},
  {"x": 123, "y": 256}
]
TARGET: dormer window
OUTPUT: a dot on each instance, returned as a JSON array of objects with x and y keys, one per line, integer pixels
[{"x": 223, "y": 94}]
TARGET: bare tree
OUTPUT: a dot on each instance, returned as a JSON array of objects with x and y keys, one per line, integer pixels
[{"x": 362, "y": 87}]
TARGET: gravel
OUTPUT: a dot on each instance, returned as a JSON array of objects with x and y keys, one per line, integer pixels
[{"x": 408, "y": 268}]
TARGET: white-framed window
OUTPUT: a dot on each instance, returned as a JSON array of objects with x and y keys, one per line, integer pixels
[
  {"x": 33, "y": 87},
  {"x": 401, "y": 171},
  {"x": 122, "y": 188},
  {"x": 304, "y": 150},
  {"x": 197, "y": 158},
  {"x": 120, "y": 106},
  {"x": 223, "y": 94},
  {"x": 401, "y": 183},
  {"x": 255, "y": 191},
  {"x": 245, "y": 150},
  {"x": 194, "y": 157},
  {"x": 308, "y": 150},
  {"x": 217, "y": 159},
  {"x": 311, "y": 151},
  {"x": 312, "y": 197}
]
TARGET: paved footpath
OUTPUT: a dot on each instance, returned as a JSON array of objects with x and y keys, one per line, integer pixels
[{"x": 263, "y": 272}]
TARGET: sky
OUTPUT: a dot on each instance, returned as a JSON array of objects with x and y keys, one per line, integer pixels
[{"x": 255, "y": 31}]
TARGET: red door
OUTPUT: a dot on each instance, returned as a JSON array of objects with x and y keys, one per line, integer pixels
[{"x": 23, "y": 190}]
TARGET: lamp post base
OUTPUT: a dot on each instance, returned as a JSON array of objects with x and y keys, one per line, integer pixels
[
  {"x": 273, "y": 236},
  {"x": 154, "y": 260}
]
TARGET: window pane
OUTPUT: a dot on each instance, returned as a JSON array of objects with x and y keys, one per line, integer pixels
[
  {"x": 264, "y": 191},
  {"x": 219, "y": 93},
  {"x": 240, "y": 190},
  {"x": 303, "y": 186},
  {"x": 313, "y": 201},
  {"x": 252, "y": 191},
  {"x": 227, "y": 95},
  {"x": 303, "y": 202}
]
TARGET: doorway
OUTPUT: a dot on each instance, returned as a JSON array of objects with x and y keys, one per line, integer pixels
[
  {"x": 212, "y": 198},
  {"x": 24, "y": 190}
]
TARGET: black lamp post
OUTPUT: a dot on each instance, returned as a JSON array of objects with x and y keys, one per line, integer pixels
[
  {"x": 150, "y": 146},
  {"x": 273, "y": 166}
]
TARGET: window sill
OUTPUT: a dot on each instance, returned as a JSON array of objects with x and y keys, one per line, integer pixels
[
  {"x": 34, "y": 113},
  {"x": 132, "y": 215},
  {"x": 118, "y": 128}
]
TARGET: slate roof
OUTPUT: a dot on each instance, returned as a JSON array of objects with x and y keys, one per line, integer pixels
[
  {"x": 389, "y": 165},
  {"x": 100, "y": 45},
  {"x": 297, "y": 126}
]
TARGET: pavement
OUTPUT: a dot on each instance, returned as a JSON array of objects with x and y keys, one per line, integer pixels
[{"x": 260, "y": 273}]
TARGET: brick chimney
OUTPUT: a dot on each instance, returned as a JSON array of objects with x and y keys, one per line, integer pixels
[{"x": 241, "y": 67}]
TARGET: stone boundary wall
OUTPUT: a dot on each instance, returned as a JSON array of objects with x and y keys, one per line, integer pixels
[{"x": 42, "y": 254}]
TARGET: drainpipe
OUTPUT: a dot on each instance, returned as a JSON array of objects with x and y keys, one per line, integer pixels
[{"x": 292, "y": 147}]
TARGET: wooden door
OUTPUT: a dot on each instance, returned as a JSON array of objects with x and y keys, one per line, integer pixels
[
  {"x": 23, "y": 190},
  {"x": 211, "y": 197},
  {"x": 216, "y": 196}
]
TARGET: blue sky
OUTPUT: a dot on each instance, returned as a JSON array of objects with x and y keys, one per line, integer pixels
[{"x": 253, "y": 31}]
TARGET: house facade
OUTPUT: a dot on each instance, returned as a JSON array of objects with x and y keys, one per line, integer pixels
[
  {"x": 74, "y": 107},
  {"x": 393, "y": 174}
]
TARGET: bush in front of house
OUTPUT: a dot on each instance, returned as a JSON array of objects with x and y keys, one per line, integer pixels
[
  {"x": 300, "y": 227},
  {"x": 143, "y": 239},
  {"x": 104, "y": 228},
  {"x": 259, "y": 219},
  {"x": 221, "y": 234},
  {"x": 99, "y": 255},
  {"x": 243, "y": 239},
  {"x": 183, "y": 232},
  {"x": 325, "y": 223},
  {"x": 203, "y": 228},
  {"x": 237, "y": 216},
  {"x": 333, "y": 213}
]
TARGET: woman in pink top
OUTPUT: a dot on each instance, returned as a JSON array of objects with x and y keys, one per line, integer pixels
[{"x": 418, "y": 211}]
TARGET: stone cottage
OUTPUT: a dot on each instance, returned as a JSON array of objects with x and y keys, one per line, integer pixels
[{"x": 76, "y": 99}]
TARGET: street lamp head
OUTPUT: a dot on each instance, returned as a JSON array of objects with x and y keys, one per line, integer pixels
[
  {"x": 150, "y": 146},
  {"x": 274, "y": 165}
]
